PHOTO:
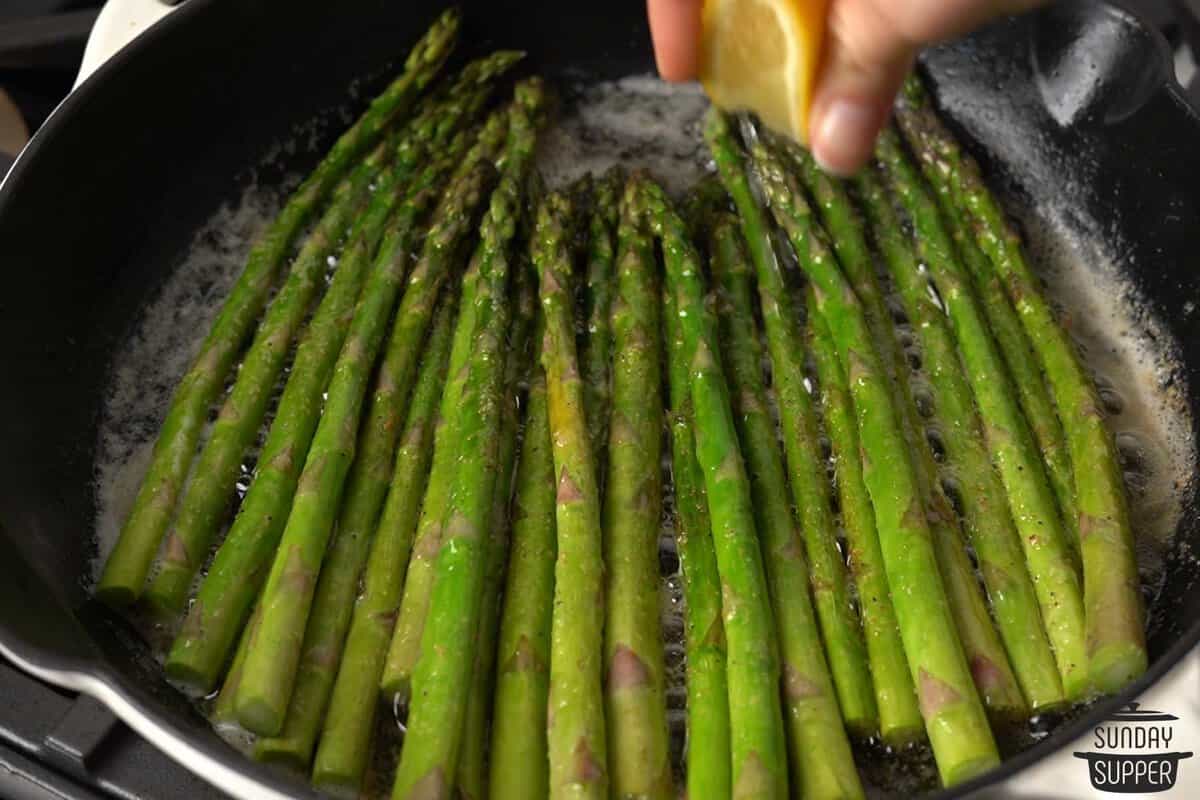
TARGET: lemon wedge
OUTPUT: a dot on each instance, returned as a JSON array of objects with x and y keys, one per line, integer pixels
[{"x": 763, "y": 56}]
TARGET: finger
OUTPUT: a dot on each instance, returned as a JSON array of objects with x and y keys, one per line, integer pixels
[
  {"x": 865, "y": 62},
  {"x": 675, "y": 29},
  {"x": 869, "y": 49}
]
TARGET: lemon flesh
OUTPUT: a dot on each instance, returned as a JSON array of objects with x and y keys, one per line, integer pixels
[{"x": 763, "y": 56}]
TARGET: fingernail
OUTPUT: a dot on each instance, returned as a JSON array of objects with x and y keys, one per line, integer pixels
[{"x": 845, "y": 135}]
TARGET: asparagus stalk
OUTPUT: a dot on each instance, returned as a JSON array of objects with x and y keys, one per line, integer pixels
[
  {"x": 339, "y": 579},
  {"x": 225, "y": 595},
  {"x": 270, "y": 670},
  {"x": 576, "y": 727},
  {"x": 471, "y": 778},
  {"x": 899, "y": 715},
  {"x": 839, "y": 625},
  {"x": 822, "y": 765},
  {"x": 241, "y": 563},
  {"x": 518, "y": 766},
  {"x": 241, "y": 416},
  {"x": 596, "y": 348},
  {"x": 223, "y": 712},
  {"x": 757, "y": 750},
  {"x": 915, "y": 118},
  {"x": 441, "y": 678},
  {"x": 1005, "y": 430},
  {"x": 208, "y": 492},
  {"x": 635, "y": 703},
  {"x": 346, "y": 734},
  {"x": 1116, "y": 644},
  {"x": 442, "y": 675},
  {"x": 954, "y": 716},
  {"x": 1027, "y": 378},
  {"x": 406, "y": 638},
  {"x": 708, "y": 742},
  {"x": 129, "y": 562},
  {"x": 404, "y": 645},
  {"x": 986, "y": 509},
  {"x": 333, "y": 603},
  {"x": 984, "y": 649}
]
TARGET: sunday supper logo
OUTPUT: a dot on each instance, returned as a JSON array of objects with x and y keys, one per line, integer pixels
[{"x": 1132, "y": 752}]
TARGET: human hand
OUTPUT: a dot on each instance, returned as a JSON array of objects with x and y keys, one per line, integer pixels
[{"x": 869, "y": 48}]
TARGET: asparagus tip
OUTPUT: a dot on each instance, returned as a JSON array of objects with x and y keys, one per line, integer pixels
[{"x": 437, "y": 41}]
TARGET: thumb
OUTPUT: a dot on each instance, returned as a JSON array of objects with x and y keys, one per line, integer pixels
[
  {"x": 869, "y": 48},
  {"x": 865, "y": 62}
]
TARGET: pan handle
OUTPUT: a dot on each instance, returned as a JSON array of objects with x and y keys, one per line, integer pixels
[{"x": 119, "y": 22}]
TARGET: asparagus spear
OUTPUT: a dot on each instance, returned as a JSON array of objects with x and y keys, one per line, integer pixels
[
  {"x": 1116, "y": 643},
  {"x": 241, "y": 563},
  {"x": 270, "y": 669},
  {"x": 329, "y": 619},
  {"x": 406, "y": 638},
  {"x": 405, "y": 644},
  {"x": 915, "y": 118},
  {"x": 596, "y": 349},
  {"x": 523, "y": 643},
  {"x": 984, "y": 649},
  {"x": 758, "y": 754},
  {"x": 899, "y": 715},
  {"x": 988, "y": 513},
  {"x": 129, "y": 562},
  {"x": 822, "y": 765},
  {"x": 207, "y": 496},
  {"x": 339, "y": 578},
  {"x": 1027, "y": 379},
  {"x": 471, "y": 778},
  {"x": 1006, "y": 432},
  {"x": 442, "y": 675},
  {"x": 518, "y": 753},
  {"x": 840, "y": 628},
  {"x": 241, "y": 416},
  {"x": 576, "y": 727},
  {"x": 954, "y": 716},
  {"x": 635, "y": 703},
  {"x": 223, "y": 712},
  {"x": 847, "y": 235},
  {"x": 346, "y": 734},
  {"x": 518, "y": 741},
  {"x": 441, "y": 678},
  {"x": 708, "y": 742},
  {"x": 403, "y": 648}
]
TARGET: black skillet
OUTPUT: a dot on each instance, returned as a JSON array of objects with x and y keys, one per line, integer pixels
[{"x": 103, "y": 203}]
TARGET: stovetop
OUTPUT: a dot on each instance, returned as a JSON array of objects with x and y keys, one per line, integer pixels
[{"x": 55, "y": 744}]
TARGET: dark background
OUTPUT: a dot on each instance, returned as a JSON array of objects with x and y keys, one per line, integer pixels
[{"x": 41, "y": 43}]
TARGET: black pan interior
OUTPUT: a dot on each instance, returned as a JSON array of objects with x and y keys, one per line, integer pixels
[{"x": 104, "y": 205}]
